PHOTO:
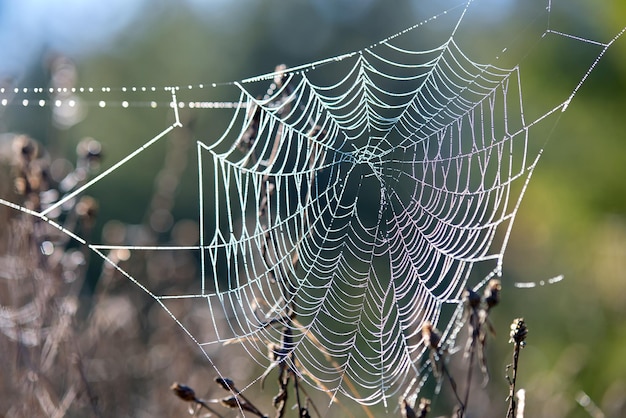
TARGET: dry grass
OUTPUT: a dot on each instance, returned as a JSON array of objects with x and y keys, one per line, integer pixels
[{"x": 67, "y": 349}]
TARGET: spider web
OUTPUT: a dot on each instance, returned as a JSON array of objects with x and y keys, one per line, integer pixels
[{"x": 337, "y": 217}]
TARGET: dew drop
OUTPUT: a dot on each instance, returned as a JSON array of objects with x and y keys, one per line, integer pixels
[{"x": 47, "y": 248}]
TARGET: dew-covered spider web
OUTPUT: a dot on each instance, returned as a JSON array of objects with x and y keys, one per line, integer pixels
[{"x": 349, "y": 202}]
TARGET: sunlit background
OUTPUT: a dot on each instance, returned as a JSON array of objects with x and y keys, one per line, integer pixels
[{"x": 572, "y": 221}]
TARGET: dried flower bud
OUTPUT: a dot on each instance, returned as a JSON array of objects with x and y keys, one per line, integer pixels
[
  {"x": 406, "y": 411},
  {"x": 431, "y": 336},
  {"x": 423, "y": 408},
  {"x": 183, "y": 392},
  {"x": 87, "y": 208},
  {"x": 21, "y": 185},
  {"x": 89, "y": 150},
  {"x": 519, "y": 331},
  {"x": 230, "y": 402},
  {"x": 25, "y": 148},
  {"x": 471, "y": 298},
  {"x": 492, "y": 293},
  {"x": 317, "y": 130},
  {"x": 226, "y": 383},
  {"x": 280, "y": 75},
  {"x": 273, "y": 351}
]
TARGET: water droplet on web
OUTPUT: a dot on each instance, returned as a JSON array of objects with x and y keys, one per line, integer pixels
[{"x": 47, "y": 248}]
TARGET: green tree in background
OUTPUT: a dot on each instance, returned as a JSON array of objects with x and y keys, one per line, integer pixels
[{"x": 572, "y": 220}]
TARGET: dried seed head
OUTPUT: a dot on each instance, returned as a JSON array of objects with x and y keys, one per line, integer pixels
[
  {"x": 21, "y": 185},
  {"x": 90, "y": 151},
  {"x": 431, "y": 336},
  {"x": 317, "y": 131},
  {"x": 183, "y": 392},
  {"x": 275, "y": 352},
  {"x": 471, "y": 298},
  {"x": 423, "y": 408},
  {"x": 241, "y": 403},
  {"x": 492, "y": 293},
  {"x": 280, "y": 75},
  {"x": 406, "y": 411},
  {"x": 37, "y": 176},
  {"x": 25, "y": 149},
  {"x": 87, "y": 208},
  {"x": 230, "y": 402},
  {"x": 519, "y": 331},
  {"x": 226, "y": 383}
]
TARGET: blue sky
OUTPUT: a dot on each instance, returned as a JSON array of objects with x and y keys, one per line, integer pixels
[{"x": 81, "y": 27}]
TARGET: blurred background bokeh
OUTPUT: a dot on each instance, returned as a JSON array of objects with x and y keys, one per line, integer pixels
[{"x": 571, "y": 222}]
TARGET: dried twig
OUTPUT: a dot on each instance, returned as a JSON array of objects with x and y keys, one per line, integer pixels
[
  {"x": 237, "y": 399},
  {"x": 432, "y": 339},
  {"x": 477, "y": 313},
  {"x": 189, "y": 395},
  {"x": 519, "y": 331}
]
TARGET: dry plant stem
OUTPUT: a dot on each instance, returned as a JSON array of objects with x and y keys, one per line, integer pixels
[
  {"x": 93, "y": 399},
  {"x": 242, "y": 402},
  {"x": 512, "y": 401},
  {"x": 187, "y": 394},
  {"x": 286, "y": 351},
  {"x": 39, "y": 303},
  {"x": 478, "y": 310},
  {"x": 518, "y": 337},
  {"x": 462, "y": 406},
  {"x": 423, "y": 408},
  {"x": 432, "y": 340},
  {"x": 285, "y": 360},
  {"x": 301, "y": 410},
  {"x": 470, "y": 367},
  {"x": 472, "y": 303}
]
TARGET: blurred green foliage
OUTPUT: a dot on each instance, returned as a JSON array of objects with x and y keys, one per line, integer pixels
[{"x": 571, "y": 222}]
